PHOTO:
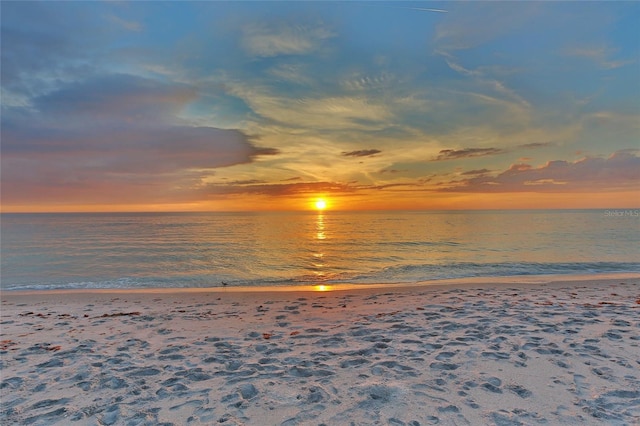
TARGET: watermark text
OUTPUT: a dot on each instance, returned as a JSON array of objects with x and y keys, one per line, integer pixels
[{"x": 622, "y": 213}]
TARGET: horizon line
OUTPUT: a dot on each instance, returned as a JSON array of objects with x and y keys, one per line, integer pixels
[{"x": 326, "y": 211}]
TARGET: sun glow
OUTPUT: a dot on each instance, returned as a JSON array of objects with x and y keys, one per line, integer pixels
[
  {"x": 322, "y": 287},
  {"x": 320, "y": 204}
]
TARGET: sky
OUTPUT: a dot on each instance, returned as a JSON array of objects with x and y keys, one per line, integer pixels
[{"x": 230, "y": 106}]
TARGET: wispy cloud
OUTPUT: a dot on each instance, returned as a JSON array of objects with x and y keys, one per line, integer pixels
[
  {"x": 390, "y": 171},
  {"x": 455, "y": 154},
  {"x": 463, "y": 30},
  {"x": 268, "y": 40},
  {"x": 534, "y": 145},
  {"x": 280, "y": 189},
  {"x": 296, "y": 73},
  {"x": 362, "y": 153},
  {"x": 313, "y": 112},
  {"x": 127, "y": 25},
  {"x": 602, "y": 55},
  {"x": 476, "y": 172}
]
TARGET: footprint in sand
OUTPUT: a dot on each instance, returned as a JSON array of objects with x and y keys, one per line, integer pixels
[
  {"x": 521, "y": 391},
  {"x": 492, "y": 385}
]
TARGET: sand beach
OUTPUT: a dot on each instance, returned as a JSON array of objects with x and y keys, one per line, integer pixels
[{"x": 478, "y": 352}]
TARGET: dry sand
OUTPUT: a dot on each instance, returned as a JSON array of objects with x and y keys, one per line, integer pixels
[{"x": 475, "y": 354}]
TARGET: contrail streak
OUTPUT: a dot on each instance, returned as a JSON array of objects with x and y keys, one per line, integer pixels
[
  {"x": 423, "y": 9},
  {"x": 420, "y": 9}
]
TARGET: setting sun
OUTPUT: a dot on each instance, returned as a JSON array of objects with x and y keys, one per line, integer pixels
[{"x": 321, "y": 204}]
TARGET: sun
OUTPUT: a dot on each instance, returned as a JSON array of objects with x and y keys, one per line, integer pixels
[{"x": 321, "y": 204}]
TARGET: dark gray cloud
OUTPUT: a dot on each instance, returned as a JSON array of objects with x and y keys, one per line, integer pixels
[
  {"x": 455, "y": 154},
  {"x": 476, "y": 172},
  {"x": 536, "y": 145},
  {"x": 391, "y": 171},
  {"x": 362, "y": 153}
]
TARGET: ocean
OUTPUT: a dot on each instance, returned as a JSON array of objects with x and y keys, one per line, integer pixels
[{"x": 185, "y": 250}]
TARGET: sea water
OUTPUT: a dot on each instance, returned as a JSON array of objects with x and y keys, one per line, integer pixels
[{"x": 138, "y": 250}]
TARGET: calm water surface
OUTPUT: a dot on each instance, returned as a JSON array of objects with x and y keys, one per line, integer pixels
[{"x": 46, "y": 251}]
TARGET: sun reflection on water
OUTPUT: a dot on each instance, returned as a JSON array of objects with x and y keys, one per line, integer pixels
[
  {"x": 318, "y": 255},
  {"x": 320, "y": 234}
]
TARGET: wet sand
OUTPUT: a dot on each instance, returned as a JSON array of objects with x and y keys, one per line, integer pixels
[{"x": 471, "y": 353}]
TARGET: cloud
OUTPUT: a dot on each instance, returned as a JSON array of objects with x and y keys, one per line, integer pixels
[
  {"x": 476, "y": 172},
  {"x": 247, "y": 182},
  {"x": 263, "y": 40},
  {"x": 292, "y": 73},
  {"x": 313, "y": 112},
  {"x": 601, "y": 55},
  {"x": 45, "y": 45},
  {"x": 118, "y": 131},
  {"x": 115, "y": 167},
  {"x": 544, "y": 182},
  {"x": 461, "y": 28},
  {"x": 362, "y": 82},
  {"x": 455, "y": 154},
  {"x": 362, "y": 153},
  {"x": 117, "y": 97},
  {"x": 127, "y": 25},
  {"x": 391, "y": 171},
  {"x": 298, "y": 189},
  {"x": 620, "y": 170},
  {"x": 536, "y": 145},
  {"x": 280, "y": 189}
]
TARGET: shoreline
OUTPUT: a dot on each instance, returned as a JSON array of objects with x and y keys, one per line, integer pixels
[
  {"x": 329, "y": 287},
  {"x": 509, "y": 353}
]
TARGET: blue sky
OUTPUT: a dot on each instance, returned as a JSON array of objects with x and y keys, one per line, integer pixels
[{"x": 267, "y": 105}]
